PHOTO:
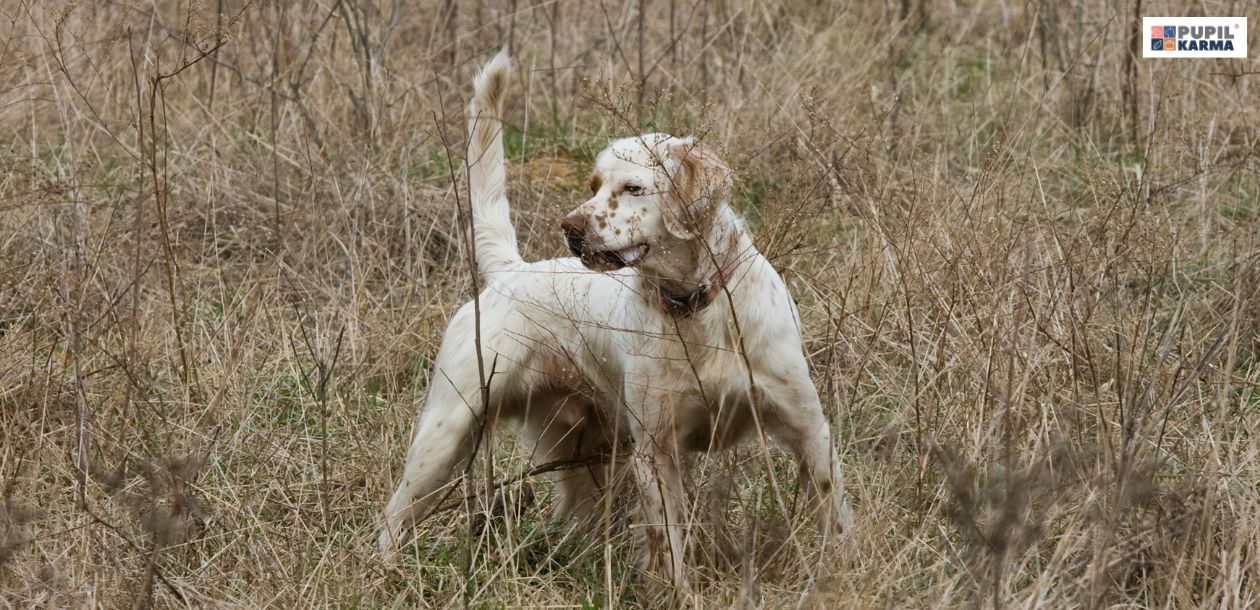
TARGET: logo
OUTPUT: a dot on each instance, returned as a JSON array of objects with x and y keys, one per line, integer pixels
[{"x": 1195, "y": 37}]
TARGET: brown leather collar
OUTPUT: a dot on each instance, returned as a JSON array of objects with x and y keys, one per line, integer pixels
[{"x": 683, "y": 305}]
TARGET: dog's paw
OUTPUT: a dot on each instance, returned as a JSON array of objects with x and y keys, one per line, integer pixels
[
  {"x": 838, "y": 529},
  {"x": 389, "y": 543},
  {"x": 843, "y": 517}
]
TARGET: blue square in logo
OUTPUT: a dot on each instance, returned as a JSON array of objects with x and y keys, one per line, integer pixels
[
  {"x": 1170, "y": 31},
  {"x": 1157, "y": 44}
]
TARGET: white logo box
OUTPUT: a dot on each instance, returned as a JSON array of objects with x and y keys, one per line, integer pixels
[{"x": 1231, "y": 29}]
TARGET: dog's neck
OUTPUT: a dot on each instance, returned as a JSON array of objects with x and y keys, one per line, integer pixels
[{"x": 694, "y": 272}]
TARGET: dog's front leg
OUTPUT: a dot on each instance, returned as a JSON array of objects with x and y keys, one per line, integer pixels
[
  {"x": 662, "y": 506},
  {"x": 794, "y": 419},
  {"x": 662, "y": 498}
]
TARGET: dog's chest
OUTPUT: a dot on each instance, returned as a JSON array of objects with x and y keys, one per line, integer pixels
[
  {"x": 707, "y": 364},
  {"x": 714, "y": 411}
]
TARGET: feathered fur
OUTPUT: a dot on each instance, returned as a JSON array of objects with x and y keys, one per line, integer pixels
[
  {"x": 588, "y": 363},
  {"x": 494, "y": 237}
]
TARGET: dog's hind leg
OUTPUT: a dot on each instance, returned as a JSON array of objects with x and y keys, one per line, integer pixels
[
  {"x": 565, "y": 432},
  {"x": 447, "y": 433},
  {"x": 444, "y": 440}
]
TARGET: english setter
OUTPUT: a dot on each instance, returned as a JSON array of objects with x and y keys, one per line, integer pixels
[{"x": 666, "y": 332}]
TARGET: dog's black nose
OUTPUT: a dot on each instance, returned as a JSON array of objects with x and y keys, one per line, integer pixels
[
  {"x": 574, "y": 233},
  {"x": 573, "y": 223}
]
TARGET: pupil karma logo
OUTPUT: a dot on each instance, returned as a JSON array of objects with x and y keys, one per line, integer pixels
[{"x": 1195, "y": 37}]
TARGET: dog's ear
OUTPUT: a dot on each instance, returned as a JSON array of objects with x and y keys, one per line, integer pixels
[{"x": 698, "y": 182}]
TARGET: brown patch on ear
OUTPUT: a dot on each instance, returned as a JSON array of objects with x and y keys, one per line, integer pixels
[
  {"x": 595, "y": 183},
  {"x": 700, "y": 182}
]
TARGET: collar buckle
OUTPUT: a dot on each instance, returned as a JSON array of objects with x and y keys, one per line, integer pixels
[{"x": 684, "y": 305}]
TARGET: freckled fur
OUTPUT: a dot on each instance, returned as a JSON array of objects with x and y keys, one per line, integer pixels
[{"x": 584, "y": 361}]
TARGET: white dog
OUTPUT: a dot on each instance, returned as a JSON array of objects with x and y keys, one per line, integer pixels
[{"x": 667, "y": 333}]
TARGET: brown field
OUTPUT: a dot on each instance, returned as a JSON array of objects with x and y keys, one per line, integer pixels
[{"x": 1028, "y": 263}]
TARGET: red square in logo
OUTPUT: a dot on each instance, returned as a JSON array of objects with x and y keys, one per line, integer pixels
[{"x": 1157, "y": 31}]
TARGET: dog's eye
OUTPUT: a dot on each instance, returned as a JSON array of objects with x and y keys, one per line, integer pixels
[{"x": 633, "y": 190}]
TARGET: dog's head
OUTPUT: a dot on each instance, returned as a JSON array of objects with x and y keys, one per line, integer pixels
[{"x": 650, "y": 195}]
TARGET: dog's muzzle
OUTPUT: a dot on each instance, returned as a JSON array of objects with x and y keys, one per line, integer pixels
[
  {"x": 604, "y": 260},
  {"x": 575, "y": 241}
]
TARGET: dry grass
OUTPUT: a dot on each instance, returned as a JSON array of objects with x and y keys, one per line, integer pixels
[{"x": 1028, "y": 264}]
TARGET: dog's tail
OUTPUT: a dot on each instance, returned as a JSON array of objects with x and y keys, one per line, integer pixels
[{"x": 493, "y": 234}]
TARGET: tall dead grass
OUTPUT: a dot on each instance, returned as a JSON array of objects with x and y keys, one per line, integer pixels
[{"x": 1027, "y": 262}]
